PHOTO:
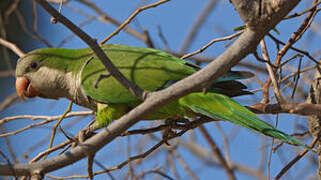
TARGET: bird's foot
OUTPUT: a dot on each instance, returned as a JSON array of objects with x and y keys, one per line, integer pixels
[{"x": 82, "y": 136}]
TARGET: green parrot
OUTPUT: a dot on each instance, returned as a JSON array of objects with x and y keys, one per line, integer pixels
[{"x": 81, "y": 77}]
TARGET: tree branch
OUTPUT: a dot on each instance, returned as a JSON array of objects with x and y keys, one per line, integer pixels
[
  {"x": 14, "y": 48},
  {"x": 305, "y": 109}
]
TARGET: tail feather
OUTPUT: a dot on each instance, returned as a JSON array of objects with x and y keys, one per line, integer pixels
[
  {"x": 228, "y": 85},
  {"x": 221, "y": 107},
  {"x": 229, "y": 88},
  {"x": 234, "y": 75}
]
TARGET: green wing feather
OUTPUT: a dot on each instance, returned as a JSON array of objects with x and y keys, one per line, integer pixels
[
  {"x": 221, "y": 107},
  {"x": 148, "y": 68}
]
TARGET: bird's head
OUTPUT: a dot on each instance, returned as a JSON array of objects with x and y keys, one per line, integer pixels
[{"x": 35, "y": 76}]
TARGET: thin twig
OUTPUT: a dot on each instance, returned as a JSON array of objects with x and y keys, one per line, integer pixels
[
  {"x": 107, "y": 19},
  {"x": 47, "y": 119},
  {"x": 172, "y": 165},
  {"x": 9, "y": 163},
  {"x": 271, "y": 149},
  {"x": 53, "y": 133},
  {"x": 154, "y": 170},
  {"x": 48, "y": 151},
  {"x": 131, "y": 17},
  {"x": 297, "y": 77},
  {"x": 304, "y": 11},
  {"x": 207, "y": 157},
  {"x": 10, "y": 9},
  {"x": 69, "y": 37},
  {"x": 197, "y": 24},
  {"x": 34, "y": 20},
  {"x": 217, "y": 152},
  {"x": 184, "y": 164},
  {"x": 293, "y": 39},
  {"x": 8, "y": 101},
  {"x": 297, "y": 158},
  {"x": 210, "y": 43},
  {"x": 133, "y": 158},
  {"x": 9, "y": 144},
  {"x": 226, "y": 143},
  {"x": 271, "y": 71},
  {"x": 162, "y": 38}
]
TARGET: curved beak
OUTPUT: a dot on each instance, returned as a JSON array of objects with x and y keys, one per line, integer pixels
[
  {"x": 21, "y": 86},
  {"x": 24, "y": 88}
]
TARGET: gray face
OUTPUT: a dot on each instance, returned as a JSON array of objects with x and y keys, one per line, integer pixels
[
  {"x": 28, "y": 64},
  {"x": 48, "y": 82}
]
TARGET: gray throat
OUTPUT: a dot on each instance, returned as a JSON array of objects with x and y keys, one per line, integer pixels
[{"x": 76, "y": 93}]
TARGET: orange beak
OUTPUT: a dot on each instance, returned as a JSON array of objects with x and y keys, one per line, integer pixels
[
  {"x": 21, "y": 86},
  {"x": 24, "y": 88}
]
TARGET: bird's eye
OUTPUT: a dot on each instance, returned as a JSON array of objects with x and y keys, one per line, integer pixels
[{"x": 34, "y": 65}]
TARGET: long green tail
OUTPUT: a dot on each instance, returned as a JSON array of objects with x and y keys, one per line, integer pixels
[{"x": 221, "y": 107}]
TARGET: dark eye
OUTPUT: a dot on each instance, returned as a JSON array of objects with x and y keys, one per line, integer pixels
[{"x": 34, "y": 65}]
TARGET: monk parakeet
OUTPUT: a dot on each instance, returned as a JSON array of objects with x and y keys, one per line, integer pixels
[{"x": 81, "y": 77}]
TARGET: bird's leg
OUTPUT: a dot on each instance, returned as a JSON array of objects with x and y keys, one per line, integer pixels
[
  {"x": 83, "y": 135},
  {"x": 101, "y": 77},
  {"x": 106, "y": 113}
]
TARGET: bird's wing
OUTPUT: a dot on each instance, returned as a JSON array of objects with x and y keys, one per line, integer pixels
[{"x": 149, "y": 69}]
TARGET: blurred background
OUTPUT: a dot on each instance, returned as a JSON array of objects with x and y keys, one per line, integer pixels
[{"x": 179, "y": 27}]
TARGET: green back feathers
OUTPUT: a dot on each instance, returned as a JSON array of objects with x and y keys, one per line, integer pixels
[{"x": 148, "y": 68}]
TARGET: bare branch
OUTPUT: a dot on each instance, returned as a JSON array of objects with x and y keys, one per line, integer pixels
[
  {"x": 131, "y": 17},
  {"x": 49, "y": 118},
  {"x": 106, "y": 18},
  {"x": 297, "y": 158},
  {"x": 217, "y": 153},
  {"x": 210, "y": 43},
  {"x": 305, "y": 109},
  {"x": 14, "y": 48},
  {"x": 197, "y": 24}
]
